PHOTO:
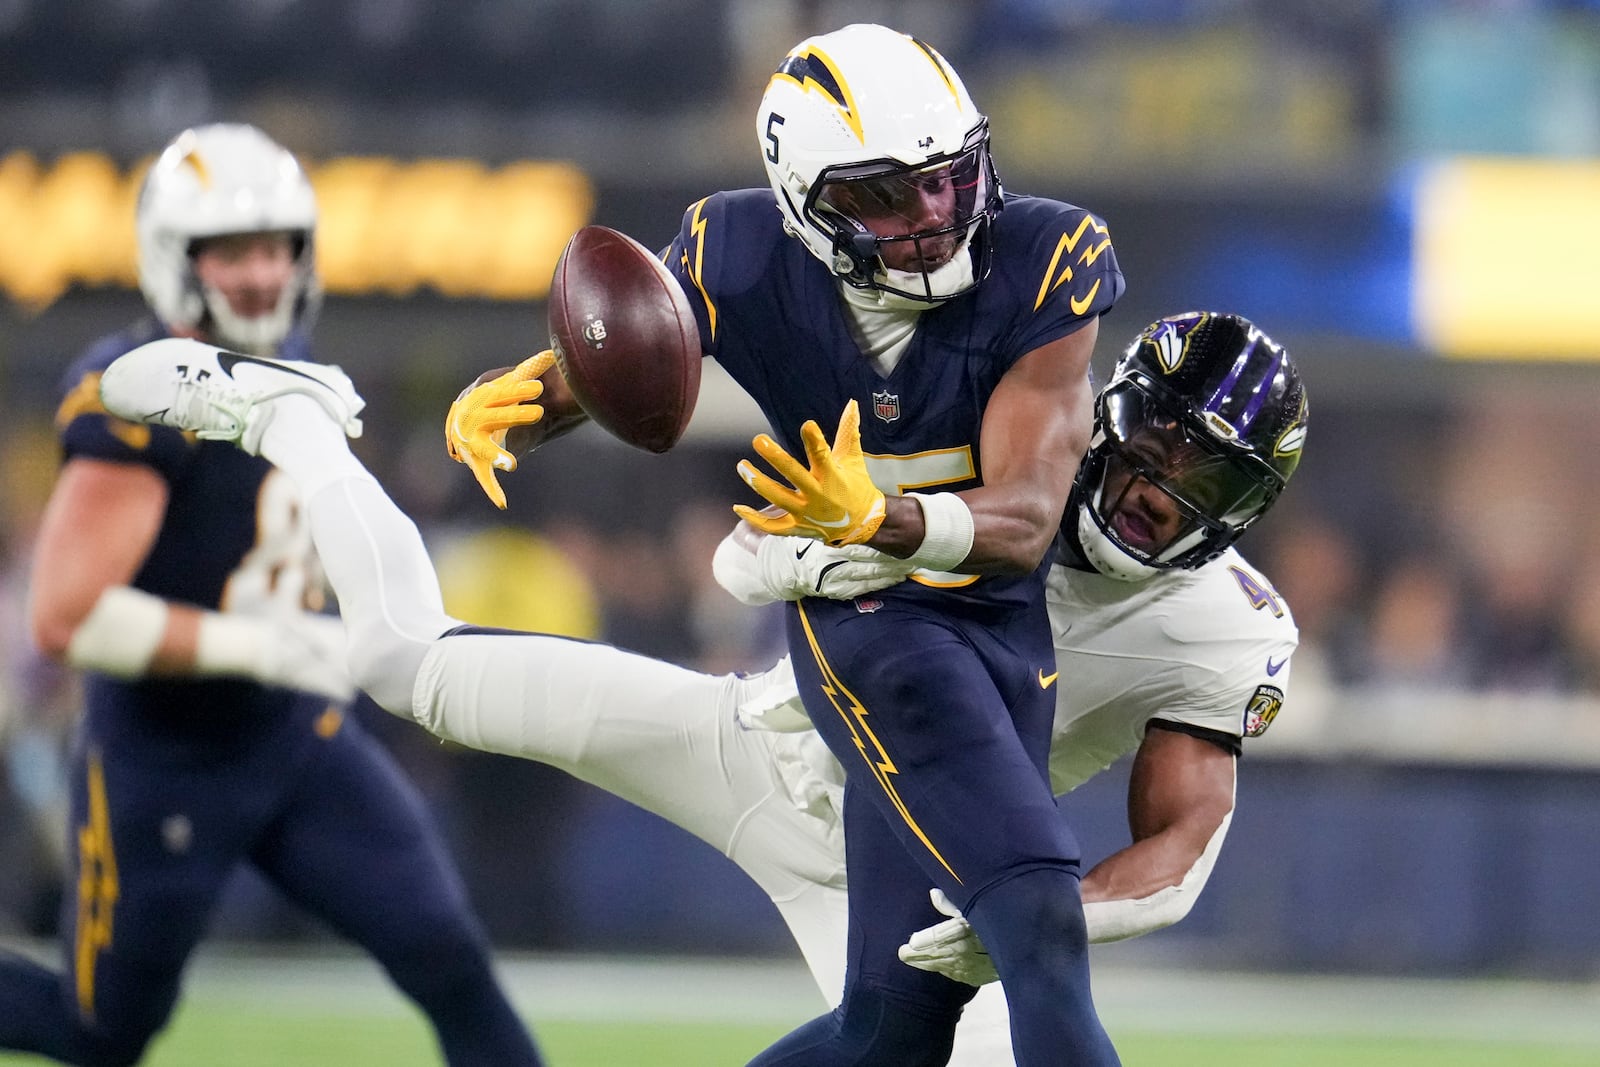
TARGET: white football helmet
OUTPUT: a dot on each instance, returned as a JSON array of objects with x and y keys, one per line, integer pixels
[
  {"x": 868, "y": 121},
  {"x": 216, "y": 180}
]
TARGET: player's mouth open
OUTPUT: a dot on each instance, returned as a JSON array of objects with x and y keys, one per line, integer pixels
[{"x": 1136, "y": 529}]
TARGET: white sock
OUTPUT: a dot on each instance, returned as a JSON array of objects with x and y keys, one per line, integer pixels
[
  {"x": 388, "y": 590},
  {"x": 304, "y": 442},
  {"x": 370, "y": 550}
]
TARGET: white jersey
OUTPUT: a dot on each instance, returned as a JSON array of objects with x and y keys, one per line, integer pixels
[{"x": 1205, "y": 648}]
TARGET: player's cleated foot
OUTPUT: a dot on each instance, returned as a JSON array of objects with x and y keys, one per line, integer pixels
[{"x": 221, "y": 395}]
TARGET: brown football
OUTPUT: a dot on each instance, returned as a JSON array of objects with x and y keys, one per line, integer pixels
[{"x": 625, "y": 338}]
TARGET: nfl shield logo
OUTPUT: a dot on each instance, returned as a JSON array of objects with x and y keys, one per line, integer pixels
[{"x": 886, "y": 405}]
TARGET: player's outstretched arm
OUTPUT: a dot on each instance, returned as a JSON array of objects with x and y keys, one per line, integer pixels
[{"x": 1035, "y": 431}]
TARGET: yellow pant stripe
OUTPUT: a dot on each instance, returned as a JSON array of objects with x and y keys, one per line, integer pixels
[
  {"x": 97, "y": 886},
  {"x": 855, "y": 719}
]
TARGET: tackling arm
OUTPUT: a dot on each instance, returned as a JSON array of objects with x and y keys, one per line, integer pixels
[{"x": 1180, "y": 801}]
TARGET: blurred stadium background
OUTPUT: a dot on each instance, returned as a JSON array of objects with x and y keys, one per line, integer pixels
[{"x": 1405, "y": 192}]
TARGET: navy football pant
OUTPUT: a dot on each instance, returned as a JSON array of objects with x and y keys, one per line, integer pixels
[
  {"x": 340, "y": 832},
  {"x": 943, "y": 726}
]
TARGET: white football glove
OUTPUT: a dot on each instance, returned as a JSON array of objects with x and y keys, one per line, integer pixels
[
  {"x": 308, "y": 654},
  {"x": 950, "y": 948},
  {"x": 789, "y": 568}
]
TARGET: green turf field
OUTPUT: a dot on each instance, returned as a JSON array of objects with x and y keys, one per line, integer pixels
[
  {"x": 277, "y": 1012},
  {"x": 216, "y": 1035}
]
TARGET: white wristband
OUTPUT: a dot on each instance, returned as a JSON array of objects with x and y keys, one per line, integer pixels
[
  {"x": 230, "y": 644},
  {"x": 948, "y": 531},
  {"x": 120, "y": 634}
]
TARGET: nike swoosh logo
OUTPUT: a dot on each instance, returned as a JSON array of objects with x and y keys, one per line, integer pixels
[
  {"x": 1274, "y": 668},
  {"x": 1047, "y": 680},
  {"x": 800, "y": 553},
  {"x": 831, "y": 525},
  {"x": 1080, "y": 306},
  {"x": 825, "y": 572},
  {"x": 228, "y": 360}
]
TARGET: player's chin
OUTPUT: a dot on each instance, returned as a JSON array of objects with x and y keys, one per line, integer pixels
[{"x": 926, "y": 263}]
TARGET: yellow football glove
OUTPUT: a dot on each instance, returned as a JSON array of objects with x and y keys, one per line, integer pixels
[
  {"x": 835, "y": 501},
  {"x": 475, "y": 429}
]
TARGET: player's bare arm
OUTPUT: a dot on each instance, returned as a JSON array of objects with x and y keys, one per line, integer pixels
[
  {"x": 1035, "y": 430},
  {"x": 98, "y": 527},
  {"x": 1036, "y": 422},
  {"x": 101, "y": 523},
  {"x": 562, "y": 415},
  {"x": 1179, "y": 792}
]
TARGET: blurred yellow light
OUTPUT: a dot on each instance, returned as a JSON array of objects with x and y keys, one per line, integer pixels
[
  {"x": 454, "y": 226},
  {"x": 1507, "y": 259}
]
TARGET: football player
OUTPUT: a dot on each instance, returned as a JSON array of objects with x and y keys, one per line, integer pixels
[
  {"x": 178, "y": 573},
  {"x": 1180, "y": 646},
  {"x": 952, "y": 324}
]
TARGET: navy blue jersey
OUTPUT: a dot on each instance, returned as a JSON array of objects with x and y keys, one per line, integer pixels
[
  {"x": 771, "y": 314},
  {"x": 233, "y": 538}
]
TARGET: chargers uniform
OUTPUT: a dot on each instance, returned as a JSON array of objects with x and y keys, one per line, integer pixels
[
  {"x": 935, "y": 692},
  {"x": 176, "y": 782}
]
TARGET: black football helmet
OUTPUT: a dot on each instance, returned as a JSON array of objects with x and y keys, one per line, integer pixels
[{"x": 1209, "y": 413}]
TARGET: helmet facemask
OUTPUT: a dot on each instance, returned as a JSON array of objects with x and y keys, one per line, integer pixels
[
  {"x": 1162, "y": 487},
  {"x": 297, "y": 304},
  {"x": 915, "y": 231}
]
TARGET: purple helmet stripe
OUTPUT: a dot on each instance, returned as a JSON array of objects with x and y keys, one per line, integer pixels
[
  {"x": 1259, "y": 398},
  {"x": 1220, "y": 397}
]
